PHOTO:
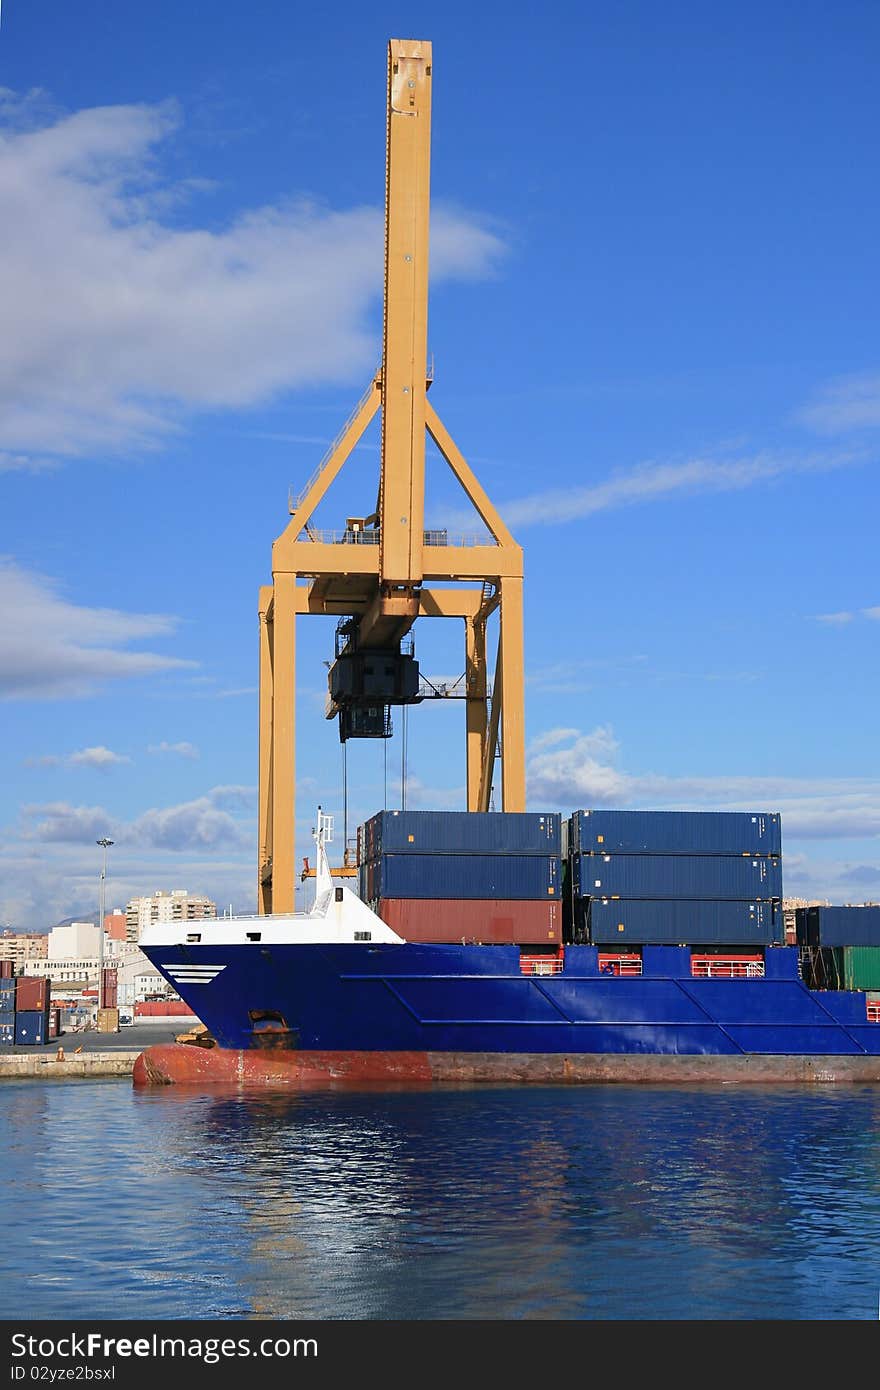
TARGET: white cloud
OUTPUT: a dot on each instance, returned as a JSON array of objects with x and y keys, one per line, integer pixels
[
  {"x": 24, "y": 463},
  {"x": 433, "y": 798},
  {"x": 124, "y": 322},
  {"x": 198, "y": 824},
  {"x": 569, "y": 769},
  {"x": 99, "y": 757},
  {"x": 59, "y": 821},
  {"x": 182, "y": 749},
  {"x": 850, "y": 403},
  {"x": 205, "y": 823},
  {"x": 233, "y": 694},
  {"x": 50, "y": 647},
  {"x": 232, "y": 795},
  {"x": 576, "y": 676},
  {"x": 551, "y": 739},
  {"x": 576, "y": 774},
  {"x": 862, "y": 873},
  {"x": 42, "y": 883},
  {"x": 656, "y": 481},
  {"x": 847, "y": 616}
]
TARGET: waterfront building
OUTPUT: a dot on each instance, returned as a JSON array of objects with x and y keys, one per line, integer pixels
[
  {"x": 136, "y": 978},
  {"x": 73, "y": 941},
  {"x": 115, "y": 925},
  {"x": 162, "y": 907},
  {"x": 21, "y": 946},
  {"x": 73, "y": 972}
]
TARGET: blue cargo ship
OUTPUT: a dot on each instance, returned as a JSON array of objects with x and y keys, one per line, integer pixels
[{"x": 337, "y": 988}]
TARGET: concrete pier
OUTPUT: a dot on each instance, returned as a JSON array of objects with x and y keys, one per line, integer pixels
[
  {"x": 45, "y": 1066},
  {"x": 86, "y": 1055}
]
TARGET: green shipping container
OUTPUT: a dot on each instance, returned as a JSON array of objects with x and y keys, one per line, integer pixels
[{"x": 861, "y": 966}]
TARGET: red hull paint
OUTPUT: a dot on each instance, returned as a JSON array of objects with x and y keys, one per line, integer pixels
[
  {"x": 495, "y": 922},
  {"x": 181, "y": 1064}
]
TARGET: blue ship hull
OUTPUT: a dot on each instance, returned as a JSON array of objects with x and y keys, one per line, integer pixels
[{"x": 411, "y": 998}]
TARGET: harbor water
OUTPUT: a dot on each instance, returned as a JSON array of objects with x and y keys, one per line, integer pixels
[{"x": 591, "y": 1202}]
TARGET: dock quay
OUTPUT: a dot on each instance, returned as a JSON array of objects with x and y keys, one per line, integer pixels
[
  {"x": 47, "y": 1066},
  {"x": 84, "y": 1056}
]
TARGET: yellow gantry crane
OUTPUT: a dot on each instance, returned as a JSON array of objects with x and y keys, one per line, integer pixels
[{"x": 380, "y": 574}]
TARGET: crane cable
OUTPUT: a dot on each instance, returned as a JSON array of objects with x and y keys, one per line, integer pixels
[
  {"x": 403, "y": 723},
  {"x": 345, "y": 803}
]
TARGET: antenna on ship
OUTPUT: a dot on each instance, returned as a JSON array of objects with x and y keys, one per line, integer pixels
[{"x": 323, "y": 833}]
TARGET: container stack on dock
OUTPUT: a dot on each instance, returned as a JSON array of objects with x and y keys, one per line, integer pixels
[
  {"x": 458, "y": 876},
  {"x": 32, "y": 1010},
  {"x": 840, "y": 947},
  {"x": 675, "y": 877},
  {"x": 7, "y": 1010}
]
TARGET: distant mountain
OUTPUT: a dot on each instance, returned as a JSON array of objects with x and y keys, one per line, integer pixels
[{"x": 77, "y": 917}]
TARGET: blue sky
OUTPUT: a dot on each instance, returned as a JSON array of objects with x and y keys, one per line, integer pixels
[{"x": 653, "y": 317}]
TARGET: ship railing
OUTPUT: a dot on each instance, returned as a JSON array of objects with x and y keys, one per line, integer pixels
[
  {"x": 717, "y": 968},
  {"x": 873, "y": 1008},
  {"x": 620, "y": 963},
  {"x": 541, "y": 965}
]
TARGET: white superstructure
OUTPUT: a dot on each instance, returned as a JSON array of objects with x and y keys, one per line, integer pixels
[{"x": 337, "y": 917}]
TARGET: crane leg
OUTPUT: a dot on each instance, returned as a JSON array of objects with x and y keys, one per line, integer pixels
[
  {"x": 284, "y": 744},
  {"x": 264, "y": 878},
  {"x": 476, "y": 712},
  {"x": 513, "y": 690}
]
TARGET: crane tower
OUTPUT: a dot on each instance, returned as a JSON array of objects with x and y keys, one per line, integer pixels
[{"x": 382, "y": 572}]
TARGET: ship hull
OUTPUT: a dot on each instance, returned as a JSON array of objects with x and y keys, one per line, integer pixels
[
  {"x": 177, "y": 1065},
  {"x": 474, "y": 1002}
]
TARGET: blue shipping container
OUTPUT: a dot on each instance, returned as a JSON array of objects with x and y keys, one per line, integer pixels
[
  {"x": 684, "y": 923},
  {"x": 7, "y": 995},
  {"x": 838, "y": 926},
  {"x": 676, "y": 876},
  {"x": 32, "y": 1027},
  {"x": 7, "y": 1032},
  {"x": 676, "y": 832},
  {"x": 462, "y": 876},
  {"x": 460, "y": 832}
]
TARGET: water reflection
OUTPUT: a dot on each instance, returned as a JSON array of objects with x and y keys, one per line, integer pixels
[{"x": 581, "y": 1202}]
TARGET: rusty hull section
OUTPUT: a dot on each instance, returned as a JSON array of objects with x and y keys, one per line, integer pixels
[{"x": 179, "y": 1064}]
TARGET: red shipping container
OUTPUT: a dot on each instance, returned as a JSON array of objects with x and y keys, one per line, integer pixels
[
  {"x": 158, "y": 1008},
  {"x": 110, "y": 990},
  {"x": 31, "y": 994},
  {"x": 473, "y": 921},
  {"x": 6, "y": 969}
]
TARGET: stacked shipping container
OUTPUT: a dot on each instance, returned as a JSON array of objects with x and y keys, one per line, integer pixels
[
  {"x": 32, "y": 1010},
  {"x": 838, "y": 926},
  {"x": 453, "y": 876},
  {"x": 7, "y": 1010},
  {"x": 842, "y": 946},
  {"x": 675, "y": 877},
  {"x": 25, "y": 1013}
]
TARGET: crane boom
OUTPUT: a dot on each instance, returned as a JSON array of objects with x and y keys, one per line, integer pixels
[{"x": 405, "y": 346}]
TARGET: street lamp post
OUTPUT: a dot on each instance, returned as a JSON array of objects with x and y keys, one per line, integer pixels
[{"x": 105, "y": 845}]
